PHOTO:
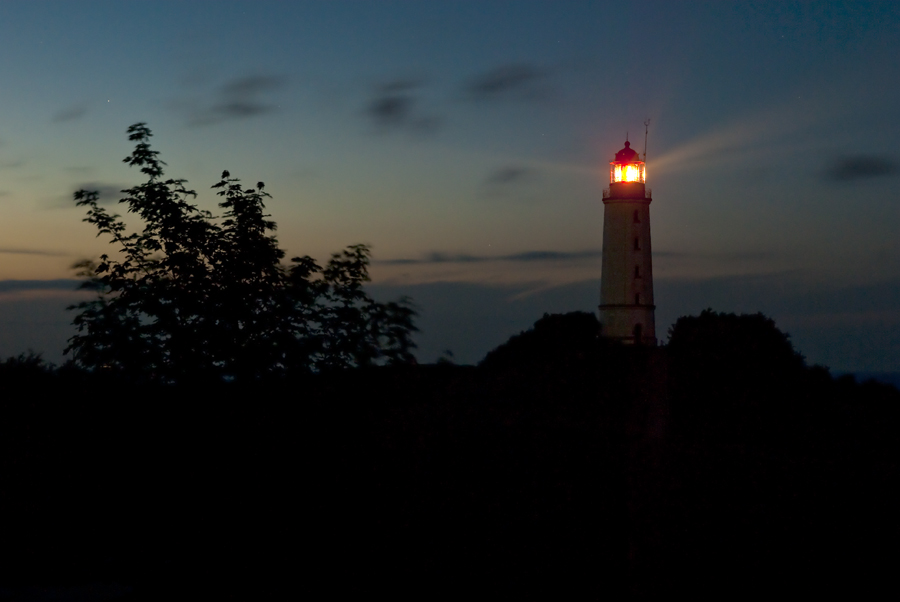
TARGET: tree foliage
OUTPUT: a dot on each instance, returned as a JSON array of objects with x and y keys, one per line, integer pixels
[
  {"x": 191, "y": 295},
  {"x": 746, "y": 344},
  {"x": 724, "y": 361},
  {"x": 554, "y": 339}
]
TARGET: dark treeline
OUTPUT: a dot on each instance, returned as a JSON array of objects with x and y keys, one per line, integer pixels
[{"x": 718, "y": 466}]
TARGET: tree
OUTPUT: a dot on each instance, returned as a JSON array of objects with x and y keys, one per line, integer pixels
[
  {"x": 553, "y": 340},
  {"x": 730, "y": 365},
  {"x": 195, "y": 296},
  {"x": 735, "y": 348}
]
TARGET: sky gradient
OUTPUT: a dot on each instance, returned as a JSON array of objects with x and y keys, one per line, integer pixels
[{"x": 468, "y": 143}]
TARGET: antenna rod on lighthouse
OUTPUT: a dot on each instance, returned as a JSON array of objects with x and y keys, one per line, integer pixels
[{"x": 646, "y": 127}]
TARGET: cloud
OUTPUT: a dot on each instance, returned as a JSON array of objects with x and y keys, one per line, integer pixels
[
  {"x": 527, "y": 256},
  {"x": 15, "y": 164},
  {"x": 553, "y": 255},
  {"x": 509, "y": 175},
  {"x": 395, "y": 106},
  {"x": 393, "y": 103},
  {"x": 434, "y": 257},
  {"x": 237, "y": 99},
  {"x": 251, "y": 85},
  {"x": 13, "y": 251},
  {"x": 859, "y": 167},
  {"x": 515, "y": 81},
  {"x": 62, "y": 284},
  {"x": 510, "y": 181},
  {"x": 71, "y": 114},
  {"x": 109, "y": 193}
]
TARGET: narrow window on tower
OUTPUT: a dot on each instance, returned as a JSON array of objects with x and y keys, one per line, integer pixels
[
  {"x": 637, "y": 271},
  {"x": 637, "y": 298},
  {"x": 637, "y": 219},
  {"x": 637, "y": 243}
]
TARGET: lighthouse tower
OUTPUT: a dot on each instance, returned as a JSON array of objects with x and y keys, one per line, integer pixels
[{"x": 626, "y": 285}]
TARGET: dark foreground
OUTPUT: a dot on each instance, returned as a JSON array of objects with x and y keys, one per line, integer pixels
[{"x": 584, "y": 470}]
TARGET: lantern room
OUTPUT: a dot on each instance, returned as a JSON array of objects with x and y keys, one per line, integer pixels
[{"x": 627, "y": 166}]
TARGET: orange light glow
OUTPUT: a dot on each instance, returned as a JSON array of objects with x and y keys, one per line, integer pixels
[{"x": 627, "y": 172}]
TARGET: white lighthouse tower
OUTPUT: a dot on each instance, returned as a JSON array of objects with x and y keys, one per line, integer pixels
[{"x": 626, "y": 284}]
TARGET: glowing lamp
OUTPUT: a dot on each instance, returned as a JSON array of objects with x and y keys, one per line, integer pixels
[{"x": 627, "y": 166}]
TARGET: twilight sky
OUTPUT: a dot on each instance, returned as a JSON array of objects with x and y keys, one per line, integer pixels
[{"x": 468, "y": 143}]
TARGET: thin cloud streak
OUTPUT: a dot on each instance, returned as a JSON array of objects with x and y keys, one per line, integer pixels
[
  {"x": 515, "y": 81},
  {"x": 70, "y": 114},
  {"x": 15, "y": 251},
  {"x": 108, "y": 193},
  {"x": 396, "y": 106},
  {"x": 15, "y": 164},
  {"x": 528, "y": 256},
  {"x": 436, "y": 257},
  {"x": 237, "y": 99},
  {"x": 859, "y": 167},
  {"x": 62, "y": 284},
  {"x": 509, "y": 175}
]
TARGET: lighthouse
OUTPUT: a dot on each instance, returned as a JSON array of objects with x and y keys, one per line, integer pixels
[{"x": 626, "y": 283}]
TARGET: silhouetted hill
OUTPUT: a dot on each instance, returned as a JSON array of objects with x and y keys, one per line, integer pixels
[{"x": 720, "y": 465}]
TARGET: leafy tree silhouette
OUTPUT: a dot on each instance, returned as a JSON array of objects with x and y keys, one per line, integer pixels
[
  {"x": 554, "y": 339},
  {"x": 193, "y": 297},
  {"x": 728, "y": 364},
  {"x": 748, "y": 347}
]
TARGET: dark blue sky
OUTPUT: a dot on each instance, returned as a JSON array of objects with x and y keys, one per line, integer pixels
[{"x": 473, "y": 138}]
